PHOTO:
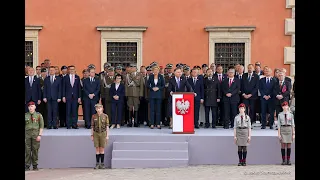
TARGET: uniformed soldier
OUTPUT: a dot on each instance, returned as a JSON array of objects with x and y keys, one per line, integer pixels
[
  {"x": 99, "y": 134},
  {"x": 119, "y": 71},
  {"x": 43, "y": 107},
  {"x": 186, "y": 71},
  {"x": 104, "y": 73},
  {"x": 105, "y": 85},
  {"x": 143, "y": 110},
  {"x": 242, "y": 133},
  {"x": 134, "y": 91},
  {"x": 286, "y": 132},
  {"x": 167, "y": 77},
  {"x": 33, "y": 131},
  {"x": 204, "y": 69}
]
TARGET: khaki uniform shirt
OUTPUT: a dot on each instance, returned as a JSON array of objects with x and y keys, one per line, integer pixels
[
  {"x": 99, "y": 123},
  {"x": 34, "y": 123}
]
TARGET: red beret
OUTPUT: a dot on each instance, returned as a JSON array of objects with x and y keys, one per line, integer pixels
[
  {"x": 160, "y": 67},
  {"x": 31, "y": 103},
  {"x": 242, "y": 105},
  {"x": 284, "y": 103}
]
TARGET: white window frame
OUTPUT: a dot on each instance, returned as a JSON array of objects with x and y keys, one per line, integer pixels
[
  {"x": 121, "y": 34},
  {"x": 232, "y": 34},
  {"x": 32, "y": 34}
]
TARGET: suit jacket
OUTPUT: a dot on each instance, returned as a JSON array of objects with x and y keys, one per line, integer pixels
[
  {"x": 91, "y": 88},
  {"x": 250, "y": 87},
  {"x": 134, "y": 85},
  {"x": 120, "y": 92},
  {"x": 197, "y": 87},
  {"x": 212, "y": 91},
  {"x": 32, "y": 93},
  {"x": 70, "y": 92},
  {"x": 283, "y": 90},
  {"x": 184, "y": 85},
  {"x": 233, "y": 89},
  {"x": 264, "y": 90},
  {"x": 52, "y": 91},
  {"x": 224, "y": 76},
  {"x": 160, "y": 84},
  {"x": 167, "y": 78}
]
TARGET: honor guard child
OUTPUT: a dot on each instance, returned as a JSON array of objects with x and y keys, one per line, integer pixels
[
  {"x": 242, "y": 133},
  {"x": 33, "y": 131},
  {"x": 99, "y": 134},
  {"x": 286, "y": 132}
]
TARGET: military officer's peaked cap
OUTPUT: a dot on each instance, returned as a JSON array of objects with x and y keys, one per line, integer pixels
[
  {"x": 186, "y": 68},
  {"x": 169, "y": 66},
  {"x": 43, "y": 70},
  {"x": 91, "y": 66},
  {"x": 154, "y": 64},
  {"x": 118, "y": 67},
  {"x": 98, "y": 105},
  {"x": 133, "y": 65},
  {"x": 148, "y": 68},
  {"x": 179, "y": 65},
  {"x": 284, "y": 103},
  {"x": 106, "y": 65},
  {"x": 111, "y": 68},
  {"x": 204, "y": 65},
  {"x": 198, "y": 67},
  {"x": 63, "y": 67},
  {"x": 31, "y": 103}
]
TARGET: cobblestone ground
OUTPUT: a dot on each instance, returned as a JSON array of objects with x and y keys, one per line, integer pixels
[{"x": 215, "y": 172}]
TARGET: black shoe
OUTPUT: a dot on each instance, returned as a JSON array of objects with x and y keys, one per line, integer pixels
[
  {"x": 68, "y": 127},
  {"x": 136, "y": 125},
  {"x": 213, "y": 127},
  {"x": 226, "y": 127},
  {"x": 35, "y": 168},
  {"x": 271, "y": 127},
  {"x": 263, "y": 127},
  {"x": 197, "y": 127},
  {"x": 129, "y": 125},
  {"x": 75, "y": 127},
  {"x": 49, "y": 127},
  {"x": 55, "y": 127},
  {"x": 201, "y": 124},
  {"x": 240, "y": 164},
  {"x": 283, "y": 162},
  {"x": 27, "y": 168},
  {"x": 288, "y": 162}
]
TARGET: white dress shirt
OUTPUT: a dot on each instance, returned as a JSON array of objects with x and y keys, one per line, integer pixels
[{"x": 117, "y": 86}]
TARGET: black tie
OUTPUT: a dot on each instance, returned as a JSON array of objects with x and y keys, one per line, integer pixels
[
  {"x": 249, "y": 77},
  {"x": 240, "y": 77},
  {"x": 285, "y": 118},
  {"x": 241, "y": 121}
]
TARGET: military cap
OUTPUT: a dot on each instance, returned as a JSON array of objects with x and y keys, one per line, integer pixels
[
  {"x": 133, "y": 65},
  {"x": 118, "y": 67},
  {"x": 284, "y": 103},
  {"x": 63, "y": 67},
  {"x": 91, "y": 66},
  {"x": 242, "y": 105},
  {"x": 106, "y": 65},
  {"x": 186, "y": 68},
  {"x": 179, "y": 65},
  {"x": 31, "y": 103},
  {"x": 169, "y": 66},
  {"x": 43, "y": 70},
  {"x": 98, "y": 105},
  {"x": 204, "y": 65},
  {"x": 148, "y": 68},
  {"x": 111, "y": 68},
  {"x": 198, "y": 67}
]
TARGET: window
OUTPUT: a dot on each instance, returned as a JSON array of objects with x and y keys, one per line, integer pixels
[
  {"x": 28, "y": 53},
  {"x": 229, "y": 54},
  {"x": 123, "y": 53}
]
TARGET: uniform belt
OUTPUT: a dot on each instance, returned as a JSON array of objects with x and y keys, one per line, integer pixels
[
  {"x": 285, "y": 125},
  {"x": 242, "y": 128}
]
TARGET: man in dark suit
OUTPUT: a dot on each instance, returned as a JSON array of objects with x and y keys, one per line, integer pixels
[
  {"x": 177, "y": 84},
  {"x": 266, "y": 88},
  {"x": 240, "y": 77},
  {"x": 230, "y": 97},
  {"x": 221, "y": 77},
  {"x": 52, "y": 94},
  {"x": 72, "y": 96},
  {"x": 91, "y": 88},
  {"x": 282, "y": 92},
  {"x": 62, "y": 105},
  {"x": 117, "y": 94},
  {"x": 212, "y": 95},
  {"x": 257, "y": 69},
  {"x": 32, "y": 89},
  {"x": 249, "y": 91},
  {"x": 197, "y": 86}
]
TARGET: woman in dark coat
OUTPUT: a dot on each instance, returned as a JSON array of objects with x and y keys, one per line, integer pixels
[{"x": 212, "y": 95}]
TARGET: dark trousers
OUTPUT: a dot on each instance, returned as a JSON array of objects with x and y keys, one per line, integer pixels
[
  {"x": 103, "y": 101},
  {"x": 126, "y": 111},
  {"x": 278, "y": 109},
  {"x": 143, "y": 111},
  {"x": 267, "y": 106},
  {"x": 52, "y": 112},
  {"x": 44, "y": 111},
  {"x": 117, "y": 110},
  {"x": 164, "y": 112},
  {"x": 83, "y": 112},
  {"x": 250, "y": 108},
  {"x": 155, "y": 111},
  {"x": 220, "y": 113},
  {"x": 196, "y": 112},
  {"x": 230, "y": 111},
  {"x": 257, "y": 109},
  {"x": 62, "y": 113},
  {"x": 214, "y": 114},
  {"x": 89, "y": 110},
  {"x": 72, "y": 109}
]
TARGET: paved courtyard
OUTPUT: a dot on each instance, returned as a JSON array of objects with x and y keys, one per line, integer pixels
[{"x": 208, "y": 172}]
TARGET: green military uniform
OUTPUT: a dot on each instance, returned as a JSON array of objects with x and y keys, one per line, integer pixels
[
  {"x": 33, "y": 124},
  {"x": 105, "y": 85},
  {"x": 166, "y": 95},
  {"x": 43, "y": 106}
]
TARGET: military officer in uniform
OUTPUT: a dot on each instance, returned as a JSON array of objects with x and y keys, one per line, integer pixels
[
  {"x": 167, "y": 77},
  {"x": 85, "y": 74},
  {"x": 286, "y": 132},
  {"x": 104, "y": 73},
  {"x": 99, "y": 134},
  {"x": 134, "y": 91},
  {"x": 43, "y": 107},
  {"x": 186, "y": 72},
  {"x": 119, "y": 71},
  {"x": 105, "y": 84},
  {"x": 33, "y": 131},
  {"x": 242, "y": 133},
  {"x": 204, "y": 69}
]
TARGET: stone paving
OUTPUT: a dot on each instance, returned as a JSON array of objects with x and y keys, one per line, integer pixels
[{"x": 208, "y": 172}]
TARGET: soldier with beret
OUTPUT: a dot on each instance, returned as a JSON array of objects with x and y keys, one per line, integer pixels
[
  {"x": 242, "y": 133},
  {"x": 105, "y": 85},
  {"x": 167, "y": 77},
  {"x": 99, "y": 134},
  {"x": 62, "y": 105},
  {"x": 33, "y": 131},
  {"x": 286, "y": 132}
]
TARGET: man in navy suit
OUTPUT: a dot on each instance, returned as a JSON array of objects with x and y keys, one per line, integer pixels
[
  {"x": 240, "y": 77},
  {"x": 71, "y": 96},
  {"x": 230, "y": 97},
  {"x": 117, "y": 95},
  {"x": 221, "y": 77},
  {"x": 91, "y": 89},
  {"x": 249, "y": 91},
  {"x": 177, "y": 84},
  {"x": 197, "y": 86},
  {"x": 32, "y": 89},
  {"x": 266, "y": 88},
  {"x": 52, "y": 93},
  {"x": 62, "y": 105}
]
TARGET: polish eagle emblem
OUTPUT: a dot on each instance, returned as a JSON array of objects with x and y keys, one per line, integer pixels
[{"x": 183, "y": 106}]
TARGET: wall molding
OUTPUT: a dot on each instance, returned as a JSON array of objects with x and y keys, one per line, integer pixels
[{"x": 32, "y": 34}]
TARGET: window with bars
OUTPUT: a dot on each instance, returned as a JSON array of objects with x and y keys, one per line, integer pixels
[
  {"x": 123, "y": 53},
  {"x": 229, "y": 54},
  {"x": 28, "y": 53}
]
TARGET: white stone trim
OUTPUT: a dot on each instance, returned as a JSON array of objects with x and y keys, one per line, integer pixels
[
  {"x": 293, "y": 40},
  {"x": 292, "y": 70},
  {"x": 293, "y": 13},
  {"x": 289, "y": 26},
  {"x": 289, "y": 55},
  {"x": 236, "y": 34},
  {"x": 290, "y": 4},
  {"x": 121, "y": 34},
  {"x": 32, "y": 34}
]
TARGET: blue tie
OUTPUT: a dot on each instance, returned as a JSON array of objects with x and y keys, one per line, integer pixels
[{"x": 178, "y": 82}]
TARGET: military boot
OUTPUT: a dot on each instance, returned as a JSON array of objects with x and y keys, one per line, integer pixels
[
  {"x": 102, "y": 166},
  {"x": 136, "y": 123},
  {"x": 27, "y": 168},
  {"x": 35, "y": 167},
  {"x": 130, "y": 119},
  {"x": 97, "y": 166}
]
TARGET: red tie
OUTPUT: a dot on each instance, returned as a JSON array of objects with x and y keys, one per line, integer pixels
[
  {"x": 230, "y": 82},
  {"x": 220, "y": 78}
]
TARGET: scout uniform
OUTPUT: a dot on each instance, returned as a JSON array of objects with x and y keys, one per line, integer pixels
[
  {"x": 134, "y": 84},
  {"x": 99, "y": 125},
  {"x": 105, "y": 85},
  {"x": 242, "y": 125},
  {"x": 33, "y": 124},
  {"x": 286, "y": 126}
]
